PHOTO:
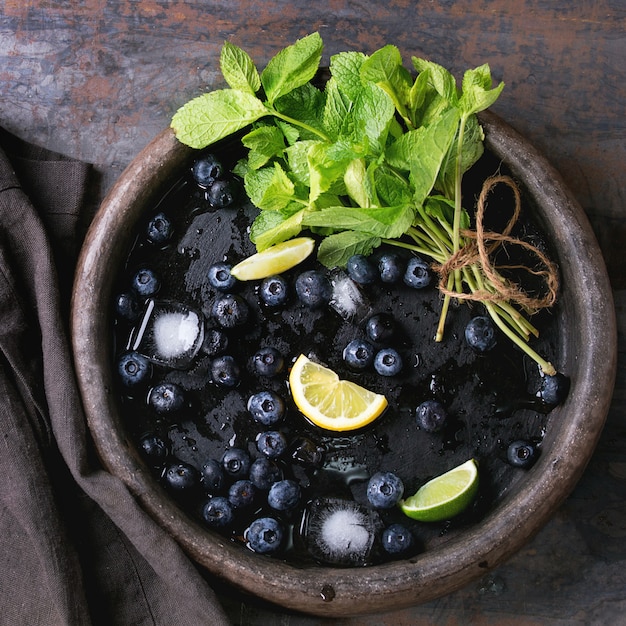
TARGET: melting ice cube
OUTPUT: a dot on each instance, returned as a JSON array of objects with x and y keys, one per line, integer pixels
[
  {"x": 347, "y": 299},
  {"x": 338, "y": 532},
  {"x": 170, "y": 333}
]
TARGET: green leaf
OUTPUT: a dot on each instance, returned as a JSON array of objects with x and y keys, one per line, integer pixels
[
  {"x": 440, "y": 78},
  {"x": 442, "y": 209},
  {"x": 306, "y": 105},
  {"x": 269, "y": 188},
  {"x": 477, "y": 92},
  {"x": 215, "y": 115},
  {"x": 271, "y": 227},
  {"x": 346, "y": 69},
  {"x": 327, "y": 162},
  {"x": 336, "y": 108},
  {"x": 298, "y": 160},
  {"x": 264, "y": 143},
  {"x": 355, "y": 179},
  {"x": 391, "y": 188},
  {"x": 238, "y": 69},
  {"x": 292, "y": 67},
  {"x": 335, "y": 250}
]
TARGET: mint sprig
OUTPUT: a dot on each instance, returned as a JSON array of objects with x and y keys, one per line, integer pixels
[{"x": 376, "y": 155}]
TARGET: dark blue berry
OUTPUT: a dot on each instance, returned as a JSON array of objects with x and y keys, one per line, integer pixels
[
  {"x": 384, "y": 490},
  {"x": 236, "y": 462},
  {"x": 431, "y": 416},
  {"x": 181, "y": 477},
  {"x": 554, "y": 389},
  {"x": 306, "y": 452},
  {"x": 274, "y": 291},
  {"x": 213, "y": 477},
  {"x": 264, "y": 535},
  {"x": 145, "y": 282},
  {"x": 388, "y": 362},
  {"x": 480, "y": 334},
  {"x": 380, "y": 328},
  {"x": 268, "y": 361},
  {"x": 284, "y": 495},
  {"x": 417, "y": 274},
  {"x": 264, "y": 473},
  {"x": 218, "y": 512},
  {"x": 154, "y": 449},
  {"x": 397, "y": 539},
  {"x": 134, "y": 369},
  {"x": 127, "y": 306},
  {"x": 220, "y": 277},
  {"x": 222, "y": 193},
  {"x": 358, "y": 355},
  {"x": 241, "y": 494},
  {"x": 166, "y": 398},
  {"x": 313, "y": 289},
  {"x": 391, "y": 267},
  {"x": 215, "y": 341},
  {"x": 206, "y": 170},
  {"x": 225, "y": 371},
  {"x": 266, "y": 407},
  {"x": 271, "y": 443},
  {"x": 230, "y": 310},
  {"x": 361, "y": 270},
  {"x": 159, "y": 229},
  {"x": 521, "y": 454}
]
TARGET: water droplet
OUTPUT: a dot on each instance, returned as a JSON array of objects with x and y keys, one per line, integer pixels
[{"x": 328, "y": 593}]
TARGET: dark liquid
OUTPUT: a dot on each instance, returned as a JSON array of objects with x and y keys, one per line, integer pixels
[{"x": 490, "y": 398}]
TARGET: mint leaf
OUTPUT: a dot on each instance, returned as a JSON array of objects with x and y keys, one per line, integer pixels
[
  {"x": 356, "y": 182},
  {"x": 327, "y": 163},
  {"x": 238, "y": 69},
  {"x": 346, "y": 70},
  {"x": 271, "y": 227},
  {"x": 269, "y": 188},
  {"x": 336, "y": 108},
  {"x": 477, "y": 92},
  {"x": 335, "y": 250},
  {"x": 215, "y": 115},
  {"x": 292, "y": 67},
  {"x": 440, "y": 78},
  {"x": 264, "y": 143},
  {"x": 306, "y": 105}
]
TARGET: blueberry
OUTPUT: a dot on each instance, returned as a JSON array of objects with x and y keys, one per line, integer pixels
[
  {"x": 380, "y": 328},
  {"x": 230, "y": 310},
  {"x": 218, "y": 512},
  {"x": 215, "y": 342},
  {"x": 391, "y": 267},
  {"x": 206, "y": 170},
  {"x": 241, "y": 493},
  {"x": 159, "y": 229},
  {"x": 521, "y": 454},
  {"x": 388, "y": 362},
  {"x": 274, "y": 291},
  {"x": 166, "y": 398},
  {"x": 360, "y": 269},
  {"x": 220, "y": 277},
  {"x": 284, "y": 495},
  {"x": 212, "y": 475},
  {"x": 266, "y": 407},
  {"x": 222, "y": 193},
  {"x": 134, "y": 369},
  {"x": 358, "y": 354},
  {"x": 154, "y": 448},
  {"x": 417, "y": 274},
  {"x": 264, "y": 535},
  {"x": 306, "y": 452},
  {"x": 225, "y": 372},
  {"x": 181, "y": 477},
  {"x": 145, "y": 282},
  {"x": 397, "y": 539},
  {"x": 384, "y": 490},
  {"x": 431, "y": 416},
  {"x": 236, "y": 462},
  {"x": 313, "y": 289},
  {"x": 480, "y": 334},
  {"x": 127, "y": 306},
  {"x": 268, "y": 361},
  {"x": 271, "y": 443},
  {"x": 264, "y": 473},
  {"x": 554, "y": 389}
]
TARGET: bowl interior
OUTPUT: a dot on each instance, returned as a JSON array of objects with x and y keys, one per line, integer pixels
[{"x": 586, "y": 353}]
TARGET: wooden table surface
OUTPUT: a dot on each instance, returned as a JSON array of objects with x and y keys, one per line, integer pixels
[{"x": 97, "y": 79}]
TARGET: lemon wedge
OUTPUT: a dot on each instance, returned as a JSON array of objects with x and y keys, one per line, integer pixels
[
  {"x": 274, "y": 260},
  {"x": 329, "y": 402}
]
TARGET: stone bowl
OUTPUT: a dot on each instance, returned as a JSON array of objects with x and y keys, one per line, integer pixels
[{"x": 587, "y": 354}]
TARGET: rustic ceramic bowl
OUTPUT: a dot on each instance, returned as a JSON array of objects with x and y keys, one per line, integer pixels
[{"x": 587, "y": 354}]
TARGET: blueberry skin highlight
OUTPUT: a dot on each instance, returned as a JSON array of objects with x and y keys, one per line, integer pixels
[
  {"x": 134, "y": 369},
  {"x": 274, "y": 291},
  {"x": 266, "y": 407},
  {"x": 225, "y": 372},
  {"x": 206, "y": 170},
  {"x": 236, "y": 462},
  {"x": 212, "y": 476},
  {"x": 480, "y": 334},
  {"x": 361, "y": 270},
  {"x": 230, "y": 310},
  {"x": 154, "y": 449},
  {"x": 218, "y": 512},
  {"x": 554, "y": 389},
  {"x": 388, "y": 362},
  {"x": 417, "y": 274},
  {"x": 268, "y": 362},
  {"x": 271, "y": 443},
  {"x": 431, "y": 416},
  {"x": 145, "y": 282},
  {"x": 384, "y": 490},
  {"x": 380, "y": 328},
  {"x": 241, "y": 494},
  {"x": 397, "y": 539},
  {"x": 159, "y": 229},
  {"x": 391, "y": 268},
  {"x": 264, "y": 535},
  {"x": 284, "y": 495},
  {"x": 220, "y": 278},
  {"x": 313, "y": 289},
  {"x": 222, "y": 193},
  {"x": 180, "y": 477},
  {"x": 358, "y": 355},
  {"x": 166, "y": 398},
  {"x": 521, "y": 454},
  {"x": 264, "y": 473}
]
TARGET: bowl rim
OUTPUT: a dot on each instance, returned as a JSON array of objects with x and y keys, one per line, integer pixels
[{"x": 590, "y": 358}]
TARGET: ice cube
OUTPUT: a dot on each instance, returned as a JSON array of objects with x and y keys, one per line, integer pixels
[
  {"x": 170, "y": 333},
  {"x": 347, "y": 299},
  {"x": 338, "y": 532}
]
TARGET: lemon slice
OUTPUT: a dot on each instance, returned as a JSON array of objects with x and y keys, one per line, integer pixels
[
  {"x": 330, "y": 402},
  {"x": 274, "y": 260},
  {"x": 444, "y": 496}
]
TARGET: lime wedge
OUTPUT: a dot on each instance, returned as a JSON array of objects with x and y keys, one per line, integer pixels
[
  {"x": 444, "y": 496},
  {"x": 274, "y": 260}
]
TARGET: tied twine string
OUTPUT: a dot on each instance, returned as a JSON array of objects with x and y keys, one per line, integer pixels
[{"x": 482, "y": 244}]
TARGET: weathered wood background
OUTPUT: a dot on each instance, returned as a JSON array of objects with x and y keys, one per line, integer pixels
[{"x": 97, "y": 79}]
